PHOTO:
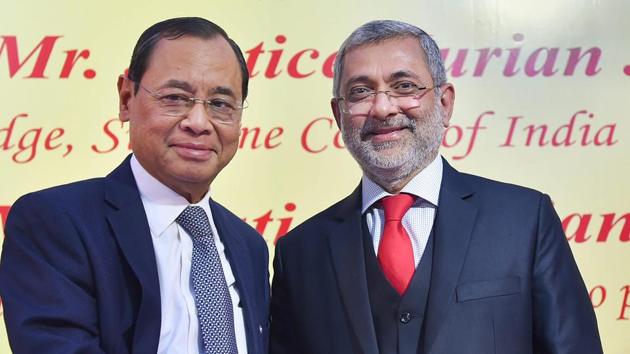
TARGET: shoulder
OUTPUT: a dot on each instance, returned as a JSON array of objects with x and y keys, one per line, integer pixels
[
  {"x": 223, "y": 215},
  {"x": 489, "y": 188},
  {"x": 478, "y": 189},
  {"x": 505, "y": 202},
  {"x": 70, "y": 197},
  {"x": 316, "y": 228},
  {"x": 57, "y": 215},
  {"x": 324, "y": 218},
  {"x": 55, "y": 223}
]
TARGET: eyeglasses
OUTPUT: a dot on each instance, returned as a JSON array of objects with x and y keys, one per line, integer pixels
[
  {"x": 360, "y": 99},
  {"x": 223, "y": 110}
]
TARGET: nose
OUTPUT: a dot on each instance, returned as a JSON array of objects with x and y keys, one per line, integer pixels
[
  {"x": 197, "y": 120},
  {"x": 382, "y": 107}
]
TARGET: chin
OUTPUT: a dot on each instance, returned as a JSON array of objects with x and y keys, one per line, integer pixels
[{"x": 195, "y": 175}]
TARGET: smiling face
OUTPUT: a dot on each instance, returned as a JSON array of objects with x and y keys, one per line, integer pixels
[
  {"x": 185, "y": 153},
  {"x": 392, "y": 141}
]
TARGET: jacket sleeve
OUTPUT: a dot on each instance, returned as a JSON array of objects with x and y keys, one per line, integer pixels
[
  {"x": 564, "y": 320},
  {"x": 282, "y": 317},
  {"x": 46, "y": 282}
]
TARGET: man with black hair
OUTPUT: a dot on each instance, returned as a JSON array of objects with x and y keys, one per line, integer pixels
[{"x": 143, "y": 260}]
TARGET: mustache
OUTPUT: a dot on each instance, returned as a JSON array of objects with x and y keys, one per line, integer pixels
[{"x": 400, "y": 122}]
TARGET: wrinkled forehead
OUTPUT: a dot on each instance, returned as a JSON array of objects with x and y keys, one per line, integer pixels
[
  {"x": 199, "y": 63},
  {"x": 385, "y": 60},
  {"x": 194, "y": 51}
]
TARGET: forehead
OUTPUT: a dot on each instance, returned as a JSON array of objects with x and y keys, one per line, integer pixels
[
  {"x": 203, "y": 63},
  {"x": 381, "y": 60}
]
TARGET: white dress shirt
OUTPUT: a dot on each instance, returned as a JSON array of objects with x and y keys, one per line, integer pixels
[
  {"x": 418, "y": 221},
  {"x": 179, "y": 330}
]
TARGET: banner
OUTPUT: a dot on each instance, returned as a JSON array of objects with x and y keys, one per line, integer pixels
[{"x": 542, "y": 100}]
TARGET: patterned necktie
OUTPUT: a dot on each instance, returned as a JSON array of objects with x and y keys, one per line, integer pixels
[
  {"x": 395, "y": 253},
  {"x": 212, "y": 297}
]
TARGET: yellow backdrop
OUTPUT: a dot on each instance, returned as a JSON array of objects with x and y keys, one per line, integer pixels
[{"x": 542, "y": 100}]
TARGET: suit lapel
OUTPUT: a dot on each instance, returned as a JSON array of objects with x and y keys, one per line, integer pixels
[
  {"x": 240, "y": 262},
  {"x": 131, "y": 229},
  {"x": 345, "y": 241},
  {"x": 455, "y": 220}
]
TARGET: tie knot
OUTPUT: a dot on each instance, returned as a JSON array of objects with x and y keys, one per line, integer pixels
[
  {"x": 195, "y": 221},
  {"x": 396, "y": 206}
]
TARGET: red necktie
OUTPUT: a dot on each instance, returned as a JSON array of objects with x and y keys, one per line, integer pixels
[{"x": 395, "y": 254}]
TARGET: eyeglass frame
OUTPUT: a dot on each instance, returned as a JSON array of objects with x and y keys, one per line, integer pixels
[
  {"x": 191, "y": 101},
  {"x": 389, "y": 95}
]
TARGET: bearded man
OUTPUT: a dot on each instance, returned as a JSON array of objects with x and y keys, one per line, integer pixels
[{"x": 421, "y": 258}]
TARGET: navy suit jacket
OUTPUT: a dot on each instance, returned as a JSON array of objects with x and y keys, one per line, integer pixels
[
  {"x": 78, "y": 272},
  {"x": 503, "y": 280}
]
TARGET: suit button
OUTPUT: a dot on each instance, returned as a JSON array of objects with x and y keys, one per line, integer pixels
[{"x": 405, "y": 317}]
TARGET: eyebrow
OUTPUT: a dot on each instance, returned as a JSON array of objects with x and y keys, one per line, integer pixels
[
  {"x": 222, "y": 90},
  {"x": 401, "y": 74},
  {"x": 183, "y": 85},
  {"x": 355, "y": 79},
  {"x": 177, "y": 84}
]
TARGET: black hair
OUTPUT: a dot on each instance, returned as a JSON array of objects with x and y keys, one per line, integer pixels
[{"x": 175, "y": 28}]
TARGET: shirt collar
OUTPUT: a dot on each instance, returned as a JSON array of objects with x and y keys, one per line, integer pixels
[
  {"x": 425, "y": 185},
  {"x": 162, "y": 205}
]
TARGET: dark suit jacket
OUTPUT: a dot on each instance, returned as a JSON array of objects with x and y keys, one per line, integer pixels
[
  {"x": 78, "y": 272},
  {"x": 503, "y": 281}
]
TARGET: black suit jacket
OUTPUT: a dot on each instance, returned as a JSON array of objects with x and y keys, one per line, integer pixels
[
  {"x": 78, "y": 272},
  {"x": 503, "y": 280}
]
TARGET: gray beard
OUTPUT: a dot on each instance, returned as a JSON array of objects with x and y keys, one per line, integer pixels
[{"x": 385, "y": 168}]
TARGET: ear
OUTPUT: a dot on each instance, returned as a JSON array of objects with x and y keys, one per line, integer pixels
[
  {"x": 125, "y": 94},
  {"x": 447, "y": 102},
  {"x": 334, "y": 104}
]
